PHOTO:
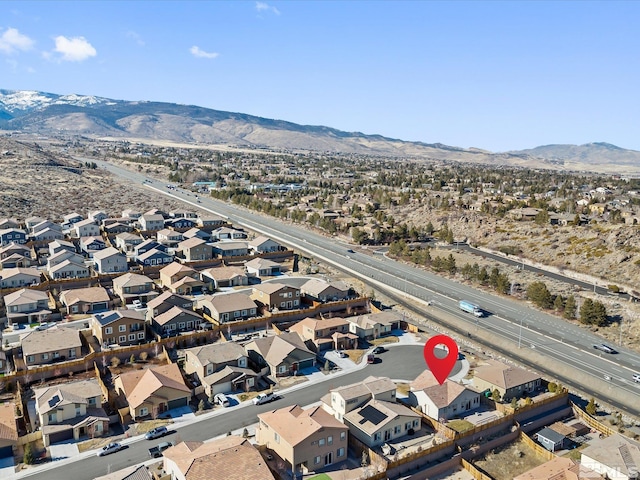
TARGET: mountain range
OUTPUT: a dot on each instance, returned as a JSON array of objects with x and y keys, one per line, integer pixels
[{"x": 51, "y": 114}]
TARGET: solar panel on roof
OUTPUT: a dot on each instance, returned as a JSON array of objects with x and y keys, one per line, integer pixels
[{"x": 372, "y": 415}]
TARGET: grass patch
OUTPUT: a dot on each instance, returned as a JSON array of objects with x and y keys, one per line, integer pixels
[
  {"x": 355, "y": 355},
  {"x": 576, "y": 453},
  {"x": 243, "y": 397},
  {"x": 403, "y": 388},
  {"x": 460, "y": 425},
  {"x": 322, "y": 476},
  {"x": 385, "y": 340},
  {"x": 144, "y": 427}
]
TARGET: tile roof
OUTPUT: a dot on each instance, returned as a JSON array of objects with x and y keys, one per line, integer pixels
[
  {"x": 224, "y": 273},
  {"x": 11, "y": 272},
  {"x": 218, "y": 353},
  {"x": 114, "y": 315},
  {"x": 50, "y": 398},
  {"x": 8, "y": 426},
  {"x": 260, "y": 262},
  {"x": 175, "y": 267},
  {"x": 368, "y": 320},
  {"x": 276, "y": 349},
  {"x": 169, "y": 297},
  {"x": 270, "y": 287},
  {"x": 25, "y": 295},
  {"x": 504, "y": 376},
  {"x": 106, "y": 253},
  {"x": 139, "y": 385},
  {"x": 191, "y": 243},
  {"x": 375, "y": 414},
  {"x": 315, "y": 286},
  {"x": 231, "y": 458},
  {"x": 175, "y": 312},
  {"x": 317, "y": 324},
  {"x": 135, "y": 472},
  {"x": 615, "y": 451},
  {"x": 50, "y": 340},
  {"x": 228, "y": 302},
  {"x": 88, "y": 295},
  {"x": 131, "y": 280},
  {"x": 440, "y": 395},
  {"x": 370, "y": 385},
  {"x": 295, "y": 425},
  {"x": 559, "y": 468},
  {"x": 228, "y": 374}
]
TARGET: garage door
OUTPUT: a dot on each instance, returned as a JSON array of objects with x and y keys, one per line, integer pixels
[
  {"x": 178, "y": 402},
  {"x": 98, "y": 307},
  {"x": 60, "y": 436}
]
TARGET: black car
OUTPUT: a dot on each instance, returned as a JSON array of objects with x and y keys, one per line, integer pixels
[
  {"x": 605, "y": 348},
  {"x": 378, "y": 350}
]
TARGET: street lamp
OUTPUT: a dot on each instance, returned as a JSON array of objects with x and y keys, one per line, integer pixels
[{"x": 520, "y": 334}]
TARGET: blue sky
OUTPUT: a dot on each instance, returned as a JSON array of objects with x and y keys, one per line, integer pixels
[{"x": 493, "y": 75}]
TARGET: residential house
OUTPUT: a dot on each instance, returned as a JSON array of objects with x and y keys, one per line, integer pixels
[
  {"x": 72, "y": 218},
  {"x": 378, "y": 422},
  {"x": 55, "y": 344},
  {"x": 27, "y": 306},
  {"x": 181, "y": 223},
  {"x": 284, "y": 354},
  {"x": 323, "y": 291},
  {"x": 560, "y": 468},
  {"x": 616, "y": 457},
  {"x": 121, "y": 327},
  {"x": 97, "y": 216},
  {"x": 14, "y": 248},
  {"x": 442, "y": 402},
  {"x": 110, "y": 260},
  {"x": 154, "y": 257},
  {"x": 44, "y": 225},
  {"x": 176, "y": 319},
  {"x": 152, "y": 391},
  {"x": 69, "y": 269},
  {"x": 180, "y": 279},
  {"x": 262, "y": 267},
  {"x": 182, "y": 214},
  {"x": 157, "y": 211},
  {"x": 264, "y": 244},
  {"x": 228, "y": 307},
  {"x": 325, "y": 334},
  {"x": 131, "y": 213},
  {"x": 133, "y": 286},
  {"x": 550, "y": 439},
  {"x": 148, "y": 244},
  {"x": 19, "y": 277},
  {"x": 16, "y": 261},
  {"x": 226, "y": 233},
  {"x": 8, "y": 430},
  {"x": 31, "y": 222},
  {"x": 510, "y": 381},
  {"x": 151, "y": 222},
  {"x": 134, "y": 472},
  {"x": 90, "y": 245},
  {"x": 115, "y": 228},
  {"x": 374, "y": 325},
  {"x": 276, "y": 296},
  {"x": 308, "y": 440},
  {"x": 165, "y": 301},
  {"x": 211, "y": 222},
  {"x": 230, "y": 248},
  {"x": 86, "y": 228},
  {"x": 220, "y": 367},
  {"x": 85, "y": 300},
  {"x": 71, "y": 411},
  {"x": 342, "y": 400},
  {"x": 197, "y": 233},
  {"x": 126, "y": 242},
  {"x": 62, "y": 255},
  {"x": 47, "y": 234},
  {"x": 9, "y": 223},
  {"x": 168, "y": 237},
  {"x": 228, "y": 457},
  {"x": 58, "y": 245},
  {"x": 194, "y": 249},
  {"x": 219, "y": 277},
  {"x": 12, "y": 235}
]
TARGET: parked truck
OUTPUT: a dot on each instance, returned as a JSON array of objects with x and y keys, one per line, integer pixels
[
  {"x": 155, "y": 452},
  {"x": 471, "y": 308}
]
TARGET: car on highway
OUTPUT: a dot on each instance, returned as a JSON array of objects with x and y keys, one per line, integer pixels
[
  {"x": 110, "y": 448},
  {"x": 636, "y": 377},
  {"x": 350, "y": 251},
  {"x": 156, "y": 433},
  {"x": 603, "y": 347}
]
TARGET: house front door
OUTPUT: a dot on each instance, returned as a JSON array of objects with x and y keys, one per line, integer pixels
[{"x": 328, "y": 458}]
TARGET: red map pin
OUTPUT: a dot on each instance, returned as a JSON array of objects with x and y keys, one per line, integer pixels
[{"x": 440, "y": 367}]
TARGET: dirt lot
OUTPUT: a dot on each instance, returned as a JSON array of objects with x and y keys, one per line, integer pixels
[{"x": 509, "y": 461}]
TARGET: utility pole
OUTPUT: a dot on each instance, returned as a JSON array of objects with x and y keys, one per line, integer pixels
[{"x": 520, "y": 335}]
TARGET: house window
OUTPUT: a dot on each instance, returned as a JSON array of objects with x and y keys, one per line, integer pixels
[
  {"x": 283, "y": 304},
  {"x": 343, "y": 435},
  {"x": 78, "y": 413},
  {"x": 316, "y": 461},
  {"x": 340, "y": 452},
  {"x": 376, "y": 437},
  {"x": 295, "y": 302},
  {"x": 407, "y": 425},
  {"x": 144, "y": 411},
  {"x": 141, "y": 336},
  {"x": 276, "y": 437},
  {"x": 397, "y": 429},
  {"x": 72, "y": 353},
  {"x": 282, "y": 369},
  {"x": 329, "y": 440},
  {"x": 181, "y": 325},
  {"x": 45, "y": 356},
  {"x": 250, "y": 382},
  {"x": 132, "y": 337},
  {"x": 122, "y": 328},
  {"x": 236, "y": 314},
  {"x": 122, "y": 338},
  {"x": 321, "y": 442},
  {"x": 108, "y": 331},
  {"x": 52, "y": 418},
  {"x": 252, "y": 311},
  {"x": 415, "y": 423},
  {"x": 244, "y": 313}
]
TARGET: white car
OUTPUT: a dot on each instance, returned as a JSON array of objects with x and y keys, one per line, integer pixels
[
  {"x": 110, "y": 448},
  {"x": 221, "y": 399},
  {"x": 265, "y": 398},
  {"x": 341, "y": 354}
]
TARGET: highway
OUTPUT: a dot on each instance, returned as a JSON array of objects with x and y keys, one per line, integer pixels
[{"x": 523, "y": 327}]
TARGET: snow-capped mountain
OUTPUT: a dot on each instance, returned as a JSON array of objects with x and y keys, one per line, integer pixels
[{"x": 16, "y": 101}]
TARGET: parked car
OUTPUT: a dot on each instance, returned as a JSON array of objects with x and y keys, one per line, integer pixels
[
  {"x": 44, "y": 326},
  {"x": 136, "y": 304},
  {"x": 265, "y": 398},
  {"x": 110, "y": 448},
  {"x": 18, "y": 326},
  {"x": 221, "y": 399},
  {"x": 379, "y": 350},
  {"x": 605, "y": 348},
  {"x": 341, "y": 353},
  {"x": 156, "y": 433},
  {"x": 371, "y": 358}
]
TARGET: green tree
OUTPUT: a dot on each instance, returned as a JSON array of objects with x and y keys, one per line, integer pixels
[
  {"x": 558, "y": 303},
  {"x": 514, "y": 403},
  {"x": 593, "y": 313},
  {"x": 591, "y": 407},
  {"x": 28, "y": 458},
  {"x": 570, "y": 308},
  {"x": 201, "y": 405},
  {"x": 542, "y": 218},
  {"x": 495, "y": 395},
  {"x": 539, "y": 294}
]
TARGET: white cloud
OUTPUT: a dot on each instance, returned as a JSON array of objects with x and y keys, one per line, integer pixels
[
  {"x": 265, "y": 7},
  {"x": 197, "y": 52},
  {"x": 74, "y": 49},
  {"x": 12, "y": 41}
]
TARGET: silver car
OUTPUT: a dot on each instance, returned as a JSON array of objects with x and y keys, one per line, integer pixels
[{"x": 110, "y": 448}]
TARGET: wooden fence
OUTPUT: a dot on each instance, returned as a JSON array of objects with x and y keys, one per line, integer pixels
[
  {"x": 589, "y": 420},
  {"x": 540, "y": 450},
  {"x": 473, "y": 471},
  {"x": 29, "y": 437}
]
